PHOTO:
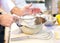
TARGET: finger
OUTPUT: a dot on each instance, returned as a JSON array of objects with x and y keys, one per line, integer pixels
[{"x": 29, "y": 5}]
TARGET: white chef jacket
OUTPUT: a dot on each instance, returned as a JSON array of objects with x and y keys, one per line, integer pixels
[
  {"x": 20, "y": 3},
  {"x": 7, "y": 5}
]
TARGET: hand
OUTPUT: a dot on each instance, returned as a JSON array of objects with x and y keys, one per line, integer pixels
[
  {"x": 32, "y": 10},
  {"x": 22, "y": 11},
  {"x": 6, "y": 19}
]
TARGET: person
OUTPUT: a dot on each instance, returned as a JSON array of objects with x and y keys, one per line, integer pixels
[
  {"x": 33, "y": 8},
  {"x": 9, "y": 6},
  {"x": 5, "y": 20},
  {"x": 16, "y": 6}
]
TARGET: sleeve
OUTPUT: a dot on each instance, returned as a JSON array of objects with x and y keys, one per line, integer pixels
[
  {"x": 7, "y": 5},
  {"x": 19, "y": 3}
]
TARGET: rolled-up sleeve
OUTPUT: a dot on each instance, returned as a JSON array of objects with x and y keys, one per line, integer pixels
[{"x": 7, "y": 5}]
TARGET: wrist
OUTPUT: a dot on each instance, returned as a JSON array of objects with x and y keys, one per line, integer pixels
[{"x": 17, "y": 11}]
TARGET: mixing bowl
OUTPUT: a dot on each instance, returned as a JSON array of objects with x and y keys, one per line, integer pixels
[{"x": 29, "y": 26}]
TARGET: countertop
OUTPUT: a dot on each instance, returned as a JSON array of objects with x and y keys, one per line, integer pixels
[{"x": 54, "y": 39}]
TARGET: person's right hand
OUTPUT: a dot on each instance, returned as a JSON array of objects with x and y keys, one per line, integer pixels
[{"x": 6, "y": 19}]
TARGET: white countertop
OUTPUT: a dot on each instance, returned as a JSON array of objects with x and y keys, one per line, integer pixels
[{"x": 52, "y": 40}]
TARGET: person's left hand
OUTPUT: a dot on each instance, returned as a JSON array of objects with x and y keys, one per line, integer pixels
[
  {"x": 29, "y": 10},
  {"x": 21, "y": 11}
]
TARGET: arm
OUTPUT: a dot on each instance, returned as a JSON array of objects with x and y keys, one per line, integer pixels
[
  {"x": 19, "y": 11},
  {"x": 9, "y": 6}
]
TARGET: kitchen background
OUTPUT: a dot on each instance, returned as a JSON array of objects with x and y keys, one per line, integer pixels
[{"x": 47, "y": 4}]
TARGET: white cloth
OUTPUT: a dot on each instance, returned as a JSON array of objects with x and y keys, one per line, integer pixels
[
  {"x": 20, "y": 3},
  {"x": 7, "y": 5}
]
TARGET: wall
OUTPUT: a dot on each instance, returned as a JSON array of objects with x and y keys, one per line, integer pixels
[{"x": 54, "y": 6}]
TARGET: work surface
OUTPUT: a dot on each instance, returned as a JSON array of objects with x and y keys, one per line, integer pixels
[
  {"x": 52, "y": 40},
  {"x": 22, "y": 38}
]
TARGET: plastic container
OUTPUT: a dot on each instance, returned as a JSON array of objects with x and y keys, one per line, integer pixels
[{"x": 57, "y": 33}]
